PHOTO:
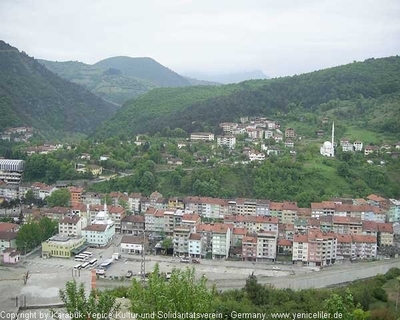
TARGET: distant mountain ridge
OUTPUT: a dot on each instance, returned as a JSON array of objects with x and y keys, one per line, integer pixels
[
  {"x": 32, "y": 95},
  {"x": 229, "y": 78},
  {"x": 120, "y": 79},
  {"x": 145, "y": 68}
]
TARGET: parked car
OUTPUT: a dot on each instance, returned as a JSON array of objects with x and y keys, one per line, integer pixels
[
  {"x": 197, "y": 261},
  {"x": 129, "y": 274},
  {"x": 185, "y": 260},
  {"x": 276, "y": 268}
]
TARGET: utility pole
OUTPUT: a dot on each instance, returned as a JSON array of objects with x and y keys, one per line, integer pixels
[{"x": 143, "y": 262}]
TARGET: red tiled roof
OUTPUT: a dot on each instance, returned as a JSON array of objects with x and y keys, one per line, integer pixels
[
  {"x": 374, "y": 197},
  {"x": 8, "y": 235},
  {"x": 369, "y": 226},
  {"x": 6, "y": 226},
  {"x": 195, "y": 236},
  {"x": 300, "y": 238},
  {"x": 276, "y": 206},
  {"x": 151, "y": 211},
  {"x": 132, "y": 239},
  {"x": 240, "y": 231},
  {"x": 346, "y": 220},
  {"x": 363, "y": 238},
  {"x": 249, "y": 239},
  {"x": 190, "y": 217},
  {"x": 134, "y": 218},
  {"x": 285, "y": 242},
  {"x": 70, "y": 220},
  {"x": 385, "y": 227},
  {"x": 288, "y": 205},
  {"x": 344, "y": 238}
]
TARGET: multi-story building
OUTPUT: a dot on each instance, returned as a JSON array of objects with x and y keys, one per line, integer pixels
[
  {"x": 8, "y": 235},
  {"x": 321, "y": 248},
  {"x": 363, "y": 247},
  {"x": 201, "y": 136},
  {"x": 229, "y": 141},
  {"x": 275, "y": 210},
  {"x": 300, "y": 249},
  {"x": 324, "y": 208},
  {"x": 117, "y": 214},
  {"x": 72, "y": 226},
  {"x": 358, "y": 145},
  {"x": 289, "y": 133},
  {"x": 133, "y": 224},
  {"x": 197, "y": 248},
  {"x": 76, "y": 195},
  {"x": 289, "y": 212},
  {"x": 91, "y": 198},
  {"x": 11, "y": 171},
  {"x": 347, "y": 225},
  {"x": 221, "y": 240},
  {"x": 266, "y": 245},
  {"x": 370, "y": 228},
  {"x": 377, "y": 201},
  {"x": 61, "y": 246},
  {"x": 249, "y": 248},
  {"x": 133, "y": 244},
  {"x": 262, "y": 207},
  {"x": 385, "y": 234},
  {"x": 149, "y": 220},
  {"x": 344, "y": 245},
  {"x": 181, "y": 241},
  {"x": 393, "y": 214},
  {"x": 191, "y": 220},
  {"x": 228, "y": 127},
  {"x": 134, "y": 202}
]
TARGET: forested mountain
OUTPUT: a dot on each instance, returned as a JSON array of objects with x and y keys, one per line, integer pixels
[
  {"x": 32, "y": 95},
  {"x": 138, "y": 115},
  {"x": 363, "y": 93},
  {"x": 146, "y": 69},
  {"x": 108, "y": 83}
]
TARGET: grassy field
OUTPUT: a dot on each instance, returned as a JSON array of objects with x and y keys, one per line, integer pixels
[{"x": 366, "y": 136}]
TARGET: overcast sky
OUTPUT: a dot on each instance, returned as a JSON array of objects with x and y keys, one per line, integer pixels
[{"x": 279, "y": 37}]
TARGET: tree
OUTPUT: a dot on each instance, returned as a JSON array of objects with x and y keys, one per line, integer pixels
[
  {"x": 29, "y": 197},
  {"x": 345, "y": 306},
  {"x": 167, "y": 244},
  {"x": 59, "y": 198},
  {"x": 99, "y": 305},
  {"x": 182, "y": 293}
]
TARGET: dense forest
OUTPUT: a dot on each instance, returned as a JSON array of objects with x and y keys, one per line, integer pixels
[
  {"x": 360, "y": 89},
  {"x": 31, "y": 95}
]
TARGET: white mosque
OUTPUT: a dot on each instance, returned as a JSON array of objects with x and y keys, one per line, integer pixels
[
  {"x": 328, "y": 148},
  {"x": 101, "y": 230}
]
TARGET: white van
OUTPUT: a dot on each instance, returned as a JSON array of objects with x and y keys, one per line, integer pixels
[{"x": 77, "y": 267}]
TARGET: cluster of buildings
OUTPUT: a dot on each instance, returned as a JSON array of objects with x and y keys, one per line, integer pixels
[
  {"x": 256, "y": 129},
  {"x": 10, "y": 178},
  {"x": 252, "y": 229},
  {"x": 358, "y": 146},
  {"x": 17, "y": 134}
]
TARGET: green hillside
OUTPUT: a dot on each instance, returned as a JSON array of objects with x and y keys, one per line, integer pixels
[
  {"x": 363, "y": 94},
  {"x": 146, "y": 69},
  {"x": 137, "y": 115},
  {"x": 110, "y": 84},
  {"x": 32, "y": 95}
]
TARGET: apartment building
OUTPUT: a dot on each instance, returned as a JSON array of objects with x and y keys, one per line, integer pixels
[
  {"x": 385, "y": 234},
  {"x": 72, "y": 226},
  {"x": 201, "y": 136},
  {"x": 347, "y": 225},
  {"x": 197, "y": 247},
  {"x": 267, "y": 245},
  {"x": 133, "y": 224},
  {"x": 249, "y": 248},
  {"x": 221, "y": 240},
  {"x": 363, "y": 247},
  {"x": 181, "y": 241},
  {"x": 289, "y": 212}
]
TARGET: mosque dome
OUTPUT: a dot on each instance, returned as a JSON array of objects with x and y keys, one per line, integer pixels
[{"x": 327, "y": 144}]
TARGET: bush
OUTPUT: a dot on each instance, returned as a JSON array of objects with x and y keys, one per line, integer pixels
[{"x": 392, "y": 273}]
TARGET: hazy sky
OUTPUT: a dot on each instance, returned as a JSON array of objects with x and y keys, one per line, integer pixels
[{"x": 279, "y": 37}]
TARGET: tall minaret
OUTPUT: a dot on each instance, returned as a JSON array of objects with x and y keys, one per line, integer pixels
[{"x": 333, "y": 139}]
